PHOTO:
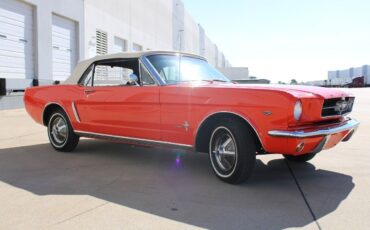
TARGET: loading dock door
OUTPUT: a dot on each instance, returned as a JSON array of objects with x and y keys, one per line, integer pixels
[
  {"x": 64, "y": 47},
  {"x": 16, "y": 40}
]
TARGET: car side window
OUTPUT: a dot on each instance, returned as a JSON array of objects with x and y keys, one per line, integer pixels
[
  {"x": 111, "y": 75},
  {"x": 115, "y": 73},
  {"x": 146, "y": 78}
]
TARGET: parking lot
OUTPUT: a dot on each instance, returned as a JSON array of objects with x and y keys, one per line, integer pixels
[{"x": 105, "y": 185}]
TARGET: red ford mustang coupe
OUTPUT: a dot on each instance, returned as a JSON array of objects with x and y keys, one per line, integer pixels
[{"x": 179, "y": 100}]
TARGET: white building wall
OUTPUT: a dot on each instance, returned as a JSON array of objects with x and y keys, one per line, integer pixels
[
  {"x": 357, "y": 72},
  {"x": 316, "y": 83},
  {"x": 345, "y": 77},
  {"x": 227, "y": 64},
  {"x": 192, "y": 37},
  {"x": 332, "y": 75},
  {"x": 145, "y": 23},
  {"x": 209, "y": 50},
  {"x": 191, "y": 34},
  {"x": 220, "y": 60},
  {"x": 178, "y": 25},
  {"x": 235, "y": 73},
  {"x": 151, "y": 23},
  {"x": 202, "y": 45},
  {"x": 344, "y": 73},
  {"x": 154, "y": 25}
]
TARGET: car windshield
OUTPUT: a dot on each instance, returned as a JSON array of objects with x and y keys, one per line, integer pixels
[{"x": 174, "y": 69}]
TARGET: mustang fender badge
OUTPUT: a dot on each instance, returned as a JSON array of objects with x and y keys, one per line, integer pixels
[{"x": 185, "y": 125}]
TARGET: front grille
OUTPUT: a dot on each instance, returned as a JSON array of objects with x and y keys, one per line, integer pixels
[{"x": 337, "y": 106}]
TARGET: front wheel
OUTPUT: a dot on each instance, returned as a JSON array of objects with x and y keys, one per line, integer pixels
[
  {"x": 232, "y": 151},
  {"x": 300, "y": 158},
  {"x": 60, "y": 132}
]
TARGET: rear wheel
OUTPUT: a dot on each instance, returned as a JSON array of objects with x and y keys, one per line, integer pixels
[
  {"x": 232, "y": 151},
  {"x": 300, "y": 158},
  {"x": 60, "y": 132}
]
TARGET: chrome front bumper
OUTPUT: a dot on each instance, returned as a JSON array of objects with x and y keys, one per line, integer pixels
[{"x": 349, "y": 125}]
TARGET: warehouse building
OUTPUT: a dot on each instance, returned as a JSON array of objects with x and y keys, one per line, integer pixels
[
  {"x": 41, "y": 41},
  {"x": 352, "y": 77},
  {"x": 347, "y": 76},
  {"x": 241, "y": 75}
]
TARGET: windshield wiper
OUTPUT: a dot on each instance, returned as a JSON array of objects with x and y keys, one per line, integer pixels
[
  {"x": 219, "y": 80},
  {"x": 210, "y": 81}
]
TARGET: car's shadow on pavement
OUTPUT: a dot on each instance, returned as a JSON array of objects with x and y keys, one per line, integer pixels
[{"x": 177, "y": 185}]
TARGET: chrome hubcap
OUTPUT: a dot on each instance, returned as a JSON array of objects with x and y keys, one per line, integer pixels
[
  {"x": 59, "y": 130},
  {"x": 224, "y": 150}
]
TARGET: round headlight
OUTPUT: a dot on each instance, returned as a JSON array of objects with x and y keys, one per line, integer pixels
[{"x": 297, "y": 110}]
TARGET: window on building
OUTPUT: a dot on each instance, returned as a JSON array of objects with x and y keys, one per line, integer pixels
[
  {"x": 101, "y": 43},
  {"x": 120, "y": 45},
  {"x": 137, "y": 47}
]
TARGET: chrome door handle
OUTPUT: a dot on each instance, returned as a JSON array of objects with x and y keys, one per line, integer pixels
[{"x": 87, "y": 91}]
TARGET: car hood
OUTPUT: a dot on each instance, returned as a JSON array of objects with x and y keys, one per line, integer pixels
[{"x": 297, "y": 91}]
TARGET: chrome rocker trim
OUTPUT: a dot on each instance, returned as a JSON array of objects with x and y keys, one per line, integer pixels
[
  {"x": 350, "y": 125},
  {"x": 133, "y": 140}
]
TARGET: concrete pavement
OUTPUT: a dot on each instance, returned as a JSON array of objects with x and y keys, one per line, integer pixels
[{"x": 105, "y": 185}]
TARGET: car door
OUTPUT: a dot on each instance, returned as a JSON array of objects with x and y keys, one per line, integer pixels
[
  {"x": 111, "y": 105},
  {"x": 174, "y": 102},
  {"x": 175, "y": 114}
]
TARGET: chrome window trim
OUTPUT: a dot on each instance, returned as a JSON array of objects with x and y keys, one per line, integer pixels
[
  {"x": 152, "y": 71},
  {"x": 141, "y": 64},
  {"x": 175, "y": 54},
  {"x": 234, "y": 113},
  {"x": 83, "y": 76},
  {"x": 131, "y": 140},
  {"x": 95, "y": 63}
]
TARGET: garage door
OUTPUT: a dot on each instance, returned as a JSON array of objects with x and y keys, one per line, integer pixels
[
  {"x": 64, "y": 47},
  {"x": 16, "y": 40}
]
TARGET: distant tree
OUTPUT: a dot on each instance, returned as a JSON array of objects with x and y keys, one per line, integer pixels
[
  {"x": 281, "y": 83},
  {"x": 293, "y": 82}
]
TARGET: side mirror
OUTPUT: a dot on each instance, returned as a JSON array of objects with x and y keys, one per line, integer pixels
[{"x": 133, "y": 79}]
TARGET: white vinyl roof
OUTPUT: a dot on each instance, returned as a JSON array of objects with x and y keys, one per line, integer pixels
[{"x": 83, "y": 65}]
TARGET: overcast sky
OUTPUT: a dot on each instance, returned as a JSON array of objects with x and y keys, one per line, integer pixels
[{"x": 285, "y": 39}]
